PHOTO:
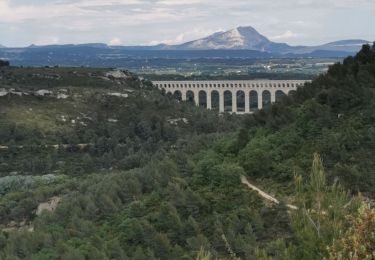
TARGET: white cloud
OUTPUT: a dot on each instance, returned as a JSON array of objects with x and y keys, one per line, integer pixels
[
  {"x": 179, "y": 39},
  {"x": 115, "y": 41},
  {"x": 47, "y": 40},
  {"x": 179, "y": 2},
  {"x": 21, "y": 13},
  {"x": 171, "y": 21},
  {"x": 285, "y": 36}
]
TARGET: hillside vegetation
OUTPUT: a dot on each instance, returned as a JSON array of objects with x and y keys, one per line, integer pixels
[{"x": 138, "y": 175}]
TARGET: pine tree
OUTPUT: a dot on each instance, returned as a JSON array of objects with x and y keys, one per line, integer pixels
[{"x": 203, "y": 255}]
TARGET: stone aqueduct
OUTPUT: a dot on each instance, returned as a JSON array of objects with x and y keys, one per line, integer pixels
[{"x": 238, "y": 96}]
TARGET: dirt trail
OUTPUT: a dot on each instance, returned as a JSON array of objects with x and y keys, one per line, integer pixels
[{"x": 263, "y": 194}]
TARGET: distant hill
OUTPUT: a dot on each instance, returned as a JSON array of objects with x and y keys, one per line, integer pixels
[
  {"x": 108, "y": 56},
  {"x": 84, "y": 45},
  {"x": 350, "y": 46}
]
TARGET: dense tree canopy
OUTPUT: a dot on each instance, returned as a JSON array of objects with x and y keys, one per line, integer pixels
[{"x": 143, "y": 176}]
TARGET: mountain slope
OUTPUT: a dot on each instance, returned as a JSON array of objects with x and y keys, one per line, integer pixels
[
  {"x": 247, "y": 38},
  {"x": 240, "y": 38}
]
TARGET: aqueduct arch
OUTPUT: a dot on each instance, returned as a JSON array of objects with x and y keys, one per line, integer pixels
[
  {"x": 241, "y": 106},
  {"x": 254, "y": 99},
  {"x": 215, "y": 100},
  {"x": 266, "y": 98},
  {"x": 202, "y": 98},
  {"x": 279, "y": 95},
  {"x": 228, "y": 101},
  {"x": 190, "y": 96},
  {"x": 177, "y": 95}
]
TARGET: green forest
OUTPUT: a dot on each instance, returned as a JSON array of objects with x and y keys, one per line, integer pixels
[{"x": 96, "y": 165}]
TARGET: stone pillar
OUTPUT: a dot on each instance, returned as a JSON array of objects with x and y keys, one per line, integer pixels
[
  {"x": 234, "y": 101},
  {"x": 221, "y": 101},
  {"x": 260, "y": 100},
  {"x": 247, "y": 101},
  {"x": 183, "y": 95},
  {"x": 273, "y": 96},
  {"x": 196, "y": 98},
  {"x": 208, "y": 95}
]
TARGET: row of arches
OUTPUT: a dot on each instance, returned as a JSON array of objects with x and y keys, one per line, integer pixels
[
  {"x": 232, "y": 85},
  {"x": 255, "y": 101}
]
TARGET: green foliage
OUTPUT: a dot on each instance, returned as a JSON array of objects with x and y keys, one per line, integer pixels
[
  {"x": 321, "y": 214},
  {"x": 358, "y": 242},
  {"x": 148, "y": 177},
  {"x": 4, "y": 63},
  {"x": 117, "y": 132},
  {"x": 21, "y": 183}
]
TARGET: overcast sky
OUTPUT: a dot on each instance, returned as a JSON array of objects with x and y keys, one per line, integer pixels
[{"x": 135, "y": 22}]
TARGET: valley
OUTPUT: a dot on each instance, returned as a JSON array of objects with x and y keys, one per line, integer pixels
[
  {"x": 187, "y": 130},
  {"x": 127, "y": 171}
]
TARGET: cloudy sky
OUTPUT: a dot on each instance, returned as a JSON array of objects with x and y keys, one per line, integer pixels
[{"x": 135, "y": 22}]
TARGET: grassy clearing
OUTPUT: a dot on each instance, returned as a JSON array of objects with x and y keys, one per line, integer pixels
[{"x": 48, "y": 116}]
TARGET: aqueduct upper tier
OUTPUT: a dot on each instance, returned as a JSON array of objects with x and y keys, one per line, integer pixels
[{"x": 236, "y": 96}]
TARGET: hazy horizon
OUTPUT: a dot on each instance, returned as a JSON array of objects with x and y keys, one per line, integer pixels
[{"x": 151, "y": 22}]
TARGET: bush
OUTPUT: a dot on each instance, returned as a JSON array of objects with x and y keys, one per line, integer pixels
[{"x": 4, "y": 63}]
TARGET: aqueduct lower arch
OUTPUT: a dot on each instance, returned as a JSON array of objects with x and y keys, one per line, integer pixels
[{"x": 240, "y": 96}]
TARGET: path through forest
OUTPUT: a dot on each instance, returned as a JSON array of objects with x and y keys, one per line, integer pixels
[{"x": 264, "y": 194}]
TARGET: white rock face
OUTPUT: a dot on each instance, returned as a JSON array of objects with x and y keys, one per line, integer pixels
[
  {"x": 118, "y": 95},
  {"x": 177, "y": 120},
  {"x": 227, "y": 40},
  {"x": 43, "y": 92},
  {"x": 62, "y": 96},
  {"x": 239, "y": 38},
  {"x": 117, "y": 74},
  {"x": 3, "y": 92}
]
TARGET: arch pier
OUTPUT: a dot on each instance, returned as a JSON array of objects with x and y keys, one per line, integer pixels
[{"x": 240, "y": 96}]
